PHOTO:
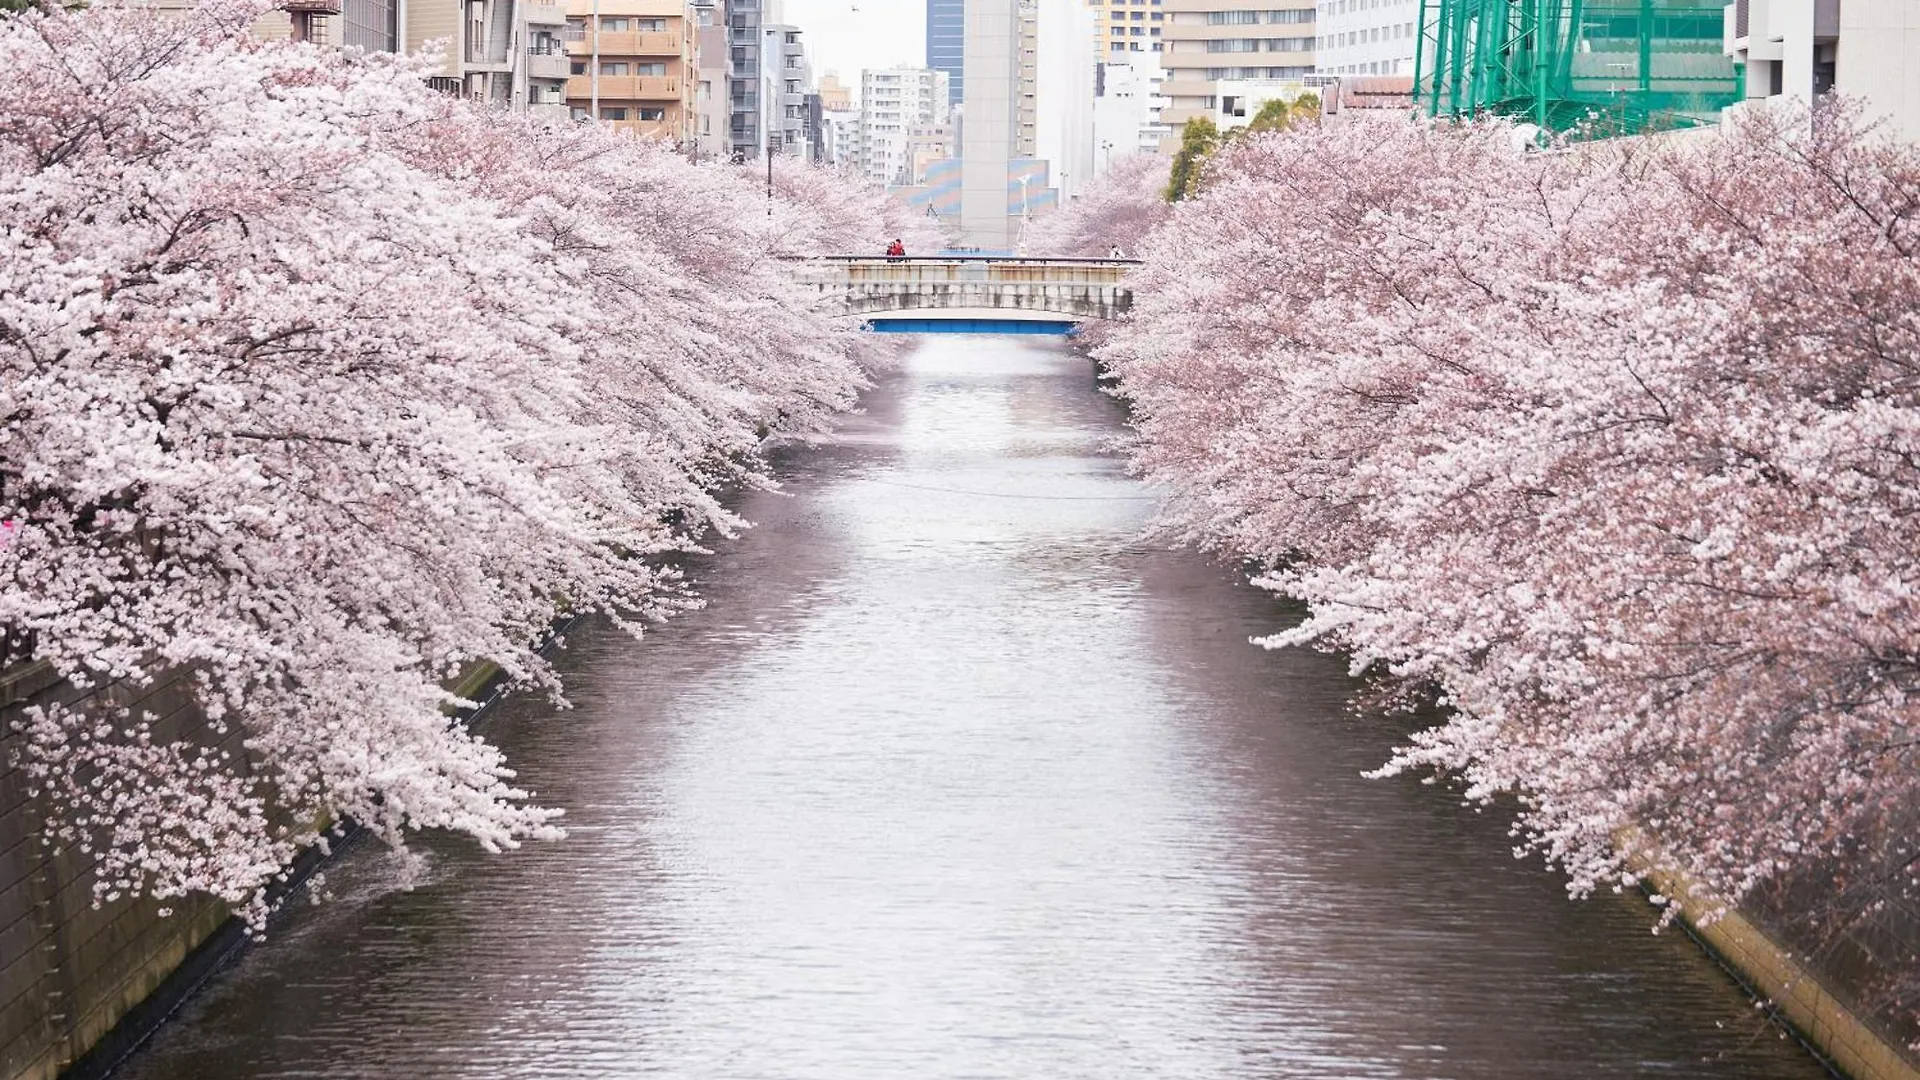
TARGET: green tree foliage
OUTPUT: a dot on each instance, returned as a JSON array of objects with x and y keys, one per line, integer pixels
[
  {"x": 1275, "y": 115},
  {"x": 1198, "y": 140}
]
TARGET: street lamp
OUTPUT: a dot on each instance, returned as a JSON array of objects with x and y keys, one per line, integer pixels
[
  {"x": 766, "y": 112},
  {"x": 1023, "y": 209}
]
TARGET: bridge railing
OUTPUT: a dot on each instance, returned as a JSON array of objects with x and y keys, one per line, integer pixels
[{"x": 967, "y": 269}]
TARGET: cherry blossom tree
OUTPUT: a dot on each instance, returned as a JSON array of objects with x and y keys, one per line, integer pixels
[
  {"x": 1118, "y": 210},
  {"x": 1609, "y": 450},
  {"x": 321, "y": 387}
]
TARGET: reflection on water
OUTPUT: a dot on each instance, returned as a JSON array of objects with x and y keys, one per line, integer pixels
[{"x": 956, "y": 777}]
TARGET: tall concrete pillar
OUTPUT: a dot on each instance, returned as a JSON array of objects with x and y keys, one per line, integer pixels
[{"x": 990, "y": 102}]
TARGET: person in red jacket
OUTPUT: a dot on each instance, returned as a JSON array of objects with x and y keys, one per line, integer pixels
[{"x": 896, "y": 250}]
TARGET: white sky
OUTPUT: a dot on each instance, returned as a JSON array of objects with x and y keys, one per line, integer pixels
[{"x": 846, "y": 36}]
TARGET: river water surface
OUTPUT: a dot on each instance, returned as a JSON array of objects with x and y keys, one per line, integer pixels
[{"x": 956, "y": 776}]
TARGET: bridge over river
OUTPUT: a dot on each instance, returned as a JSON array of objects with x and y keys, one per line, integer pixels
[
  {"x": 956, "y": 775},
  {"x": 971, "y": 293}
]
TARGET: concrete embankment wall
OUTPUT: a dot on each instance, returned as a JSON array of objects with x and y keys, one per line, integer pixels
[
  {"x": 70, "y": 971},
  {"x": 1825, "y": 1021},
  {"x": 84, "y": 985}
]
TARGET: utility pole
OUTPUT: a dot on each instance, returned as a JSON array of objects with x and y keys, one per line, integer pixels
[{"x": 593, "y": 66}]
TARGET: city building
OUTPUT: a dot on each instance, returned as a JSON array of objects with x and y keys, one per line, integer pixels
[
  {"x": 789, "y": 83},
  {"x": 894, "y": 103},
  {"x": 1211, "y": 41},
  {"x": 946, "y": 44},
  {"x": 748, "y": 25},
  {"x": 1126, "y": 110},
  {"x": 502, "y": 52},
  {"x": 711, "y": 99},
  {"x": 995, "y": 35},
  {"x": 926, "y": 144},
  {"x": 1367, "y": 37},
  {"x": 1064, "y": 91},
  {"x": 1240, "y": 100},
  {"x": 1027, "y": 79},
  {"x": 1123, "y": 29},
  {"x": 835, "y": 96},
  {"x": 632, "y": 65},
  {"x": 1869, "y": 49},
  {"x": 840, "y": 137}
]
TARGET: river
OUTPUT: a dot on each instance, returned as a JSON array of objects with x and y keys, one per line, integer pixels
[{"x": 957, "y": 776}]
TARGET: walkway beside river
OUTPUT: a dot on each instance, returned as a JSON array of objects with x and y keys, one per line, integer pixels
[{"x": 955, "y": 776}]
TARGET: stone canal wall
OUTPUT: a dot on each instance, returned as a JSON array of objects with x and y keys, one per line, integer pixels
[
  {"x": 71, "y": 972},
  {"x": 83, "y": 985}
]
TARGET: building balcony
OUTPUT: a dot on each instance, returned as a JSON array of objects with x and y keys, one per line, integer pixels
[
  {"x": 546, "y": 65},
  {"x": 549, "y": 110},
  {"x": 545, "y": 14},
  {"x": 661, "y": 43},
  {"x": 628, "y": 88}
]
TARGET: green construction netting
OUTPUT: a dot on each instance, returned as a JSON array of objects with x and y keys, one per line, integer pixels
[{"x": 1566, "y": 65}]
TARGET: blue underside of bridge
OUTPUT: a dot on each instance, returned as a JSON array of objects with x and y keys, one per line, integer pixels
[{"x": 967, "y": 326}]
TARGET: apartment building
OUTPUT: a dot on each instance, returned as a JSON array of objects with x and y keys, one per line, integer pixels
[
  {"x": 631, "y": 65},
  {"x": 1123, "y": 29},
  {"x": 1213, "y": 41},
  {"x": 1868, "y": 49},
  {"x": 793, "y": 107},
  {"x": 835, "y": 96},
  {"x": 1367, "y": 37},
  {"x": 895, "y": 103}
]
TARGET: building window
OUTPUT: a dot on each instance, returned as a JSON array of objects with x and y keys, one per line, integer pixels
[
  {"x": 613, "y": 67},
  {"x": 577, "y": 67},
  {"x": 576, "y": 30},
  {"x": 651, "y": 24},
  {"x": 654, "y": 114},
  {"x": 651, "y": 68},
  {"x": 613, "y": 112},
  {"x": 615, "y": 25}
]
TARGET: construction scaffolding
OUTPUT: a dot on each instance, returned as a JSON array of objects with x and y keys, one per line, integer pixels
[{"x": 1615, "y": 67}]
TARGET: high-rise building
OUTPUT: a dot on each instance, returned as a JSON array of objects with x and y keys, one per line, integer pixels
[
  {"x": 1125, "y": 28},
  {"x": 788, "y": 81},
  {"x": 1126, "y": 110},
  {"x": 632, "y": 65},
  {"x": 711, "y": 108},
  {"x": 1211, "y": 41},
  {"x": 946, "y": 44},
  {"x": 894, "y": 103},
  {"x": 1063, "y": 100},
  {"x": 995, "y": 29},
  {"x": 506, "y": 53},
  {"x": 1366, "y": 37},
  {"x": 749, "y": 23}
]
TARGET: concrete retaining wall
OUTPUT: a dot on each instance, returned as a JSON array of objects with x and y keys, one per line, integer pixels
[
  {"x": 1825, "y": 1021},
  {"x": 70, "y": 971}
]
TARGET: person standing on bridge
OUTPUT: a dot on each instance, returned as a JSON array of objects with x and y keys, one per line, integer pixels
[{"x": 896, "y": 250}]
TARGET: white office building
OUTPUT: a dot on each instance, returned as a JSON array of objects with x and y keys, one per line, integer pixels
[
  {"x": 1366, "y": 37},
  {"x": 1126, "y": 110},
  {"x": 1064, "y": 93}
]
